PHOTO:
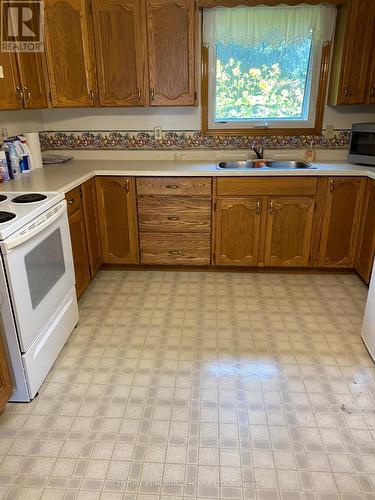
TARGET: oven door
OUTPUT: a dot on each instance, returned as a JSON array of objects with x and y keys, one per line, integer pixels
[{"x": 39, "y": 268}]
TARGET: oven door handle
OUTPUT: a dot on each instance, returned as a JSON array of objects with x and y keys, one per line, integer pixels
[{"x": 32, "y": 231}]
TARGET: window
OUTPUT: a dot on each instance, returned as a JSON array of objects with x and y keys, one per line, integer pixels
[{"x": 264, "y": 66}]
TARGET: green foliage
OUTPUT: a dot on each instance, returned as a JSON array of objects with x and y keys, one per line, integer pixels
[{"x": 264, "y": 82}]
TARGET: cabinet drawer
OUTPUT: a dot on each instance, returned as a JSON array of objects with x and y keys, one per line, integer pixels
[
  {"x": 179, "y": 248},
  {"x": 176, "y": 186},
  {"x": 73, "y": 199},
  {"x": 250, "y": 186},
  {"x": 174, "y": 214}
]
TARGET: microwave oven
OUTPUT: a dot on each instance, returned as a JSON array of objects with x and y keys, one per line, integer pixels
[{"x": 362, "y": 143}]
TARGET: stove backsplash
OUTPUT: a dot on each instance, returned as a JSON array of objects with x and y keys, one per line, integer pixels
[{"x": 132, "y": 140}]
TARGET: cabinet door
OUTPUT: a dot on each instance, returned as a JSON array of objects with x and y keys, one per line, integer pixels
[
  {"x": 359, "y": 52},
  {"x": 120, "y": 64},
  {"x": 117, "y": 216},
  {"x": 289, "y": 231},
  {"x": 10, "y": 95},
  {"x": 5, "y": 380},
  {"x": 237, "y": 231},
  {"x": 91, "y": 217},
  {"x": 366, "y": 244},
  {"x": 171, "y": 30},
  {"x": 340, "y": 204},
  {"x": 34, "y": 79},
  {"x": 69, "y": 53},
  {"x": 79, "y": 249}
]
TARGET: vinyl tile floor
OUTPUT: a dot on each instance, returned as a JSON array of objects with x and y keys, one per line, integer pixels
[{"x": 202, "y": 385}]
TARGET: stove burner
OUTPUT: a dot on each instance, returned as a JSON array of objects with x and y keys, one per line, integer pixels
[
  {"x": 6, "y": 216},
  {"x": 3, "y": 197},
  {"x": 29, "y": 198}
]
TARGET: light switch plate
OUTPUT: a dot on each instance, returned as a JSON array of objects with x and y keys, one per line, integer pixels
[
  {"x": 330, "y": 130},
  {"x": 158, "y": 133}
]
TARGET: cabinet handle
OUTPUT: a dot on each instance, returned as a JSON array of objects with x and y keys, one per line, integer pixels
[
  {"x": 271, "y": 207},
  {"x": 372, "y": 95},
  {"x": 28, "y": 94},
  {"x": 20, "y": 97},
  {"x": 331, "y": 185},
  {"x": 152, "y": 94},
  {"x": 346, "y": 92},
  {"x": 70, "y": 202},
  {"x": 258, "y": 207},
  {"x": 127, "y": 182},
  {"x": 139, "y": 94},
  {"x": 92, "y": 95},
  {"x": 175, "y": 252},
  {"x": 174, "y": 217},
  {"x": 173, "y": 186}
]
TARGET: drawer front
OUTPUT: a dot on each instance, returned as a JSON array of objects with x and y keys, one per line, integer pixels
[
  {"x": 167, "y": 214},
  {"x": 179, "y": 248},
  {"x": 73, "y": 200},
  {"x": 176, "y": 186},
  {"x": 250, "y": 186}
]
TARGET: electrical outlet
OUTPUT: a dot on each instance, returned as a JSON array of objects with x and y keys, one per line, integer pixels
[
  {"x": 158, "y": 133},
  {"x": 330, "y": 130}
]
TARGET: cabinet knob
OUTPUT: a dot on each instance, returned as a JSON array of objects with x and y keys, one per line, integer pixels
[
  {"x": 152, "y": 94},
  {"x": 331, "y": 185},
  {"x": 175, "y": 252},
  {"x": 174, "y": 217},
  {"x": 173, "y": 186},
  {"x": 70, "y": 202},
  {"x": 28, "y": 94},
  {"x": 258, "y": 207},
  {"x": 271, "y": 207},
  {"x": 139, "y": 94}
]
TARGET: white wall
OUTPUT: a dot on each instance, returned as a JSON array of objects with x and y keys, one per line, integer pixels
[
  {"x": 341, "y": 117},
  {"x": 21, "y": 121}
]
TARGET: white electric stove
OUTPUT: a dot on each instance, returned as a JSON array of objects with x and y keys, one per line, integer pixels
[{"x": 37, "y": 298}]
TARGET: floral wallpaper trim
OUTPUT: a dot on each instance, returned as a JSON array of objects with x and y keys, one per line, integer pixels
[{"x": 184, "y": 139}]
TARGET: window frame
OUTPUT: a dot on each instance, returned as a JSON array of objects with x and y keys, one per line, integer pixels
[{"x": 232, "y": 130}]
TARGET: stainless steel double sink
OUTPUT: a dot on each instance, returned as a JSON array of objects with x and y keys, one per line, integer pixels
[{"x": 268, "y": 164}]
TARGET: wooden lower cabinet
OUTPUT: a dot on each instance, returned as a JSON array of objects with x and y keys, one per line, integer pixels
[
  {"x": 237, "y": 231},
  {"x": 91, "y": 217},
  {"x": 288, "y": 231},
  {"x": 366, "y": 243},
  {"x": 338, "y": 220},
  {"x": 79, "y": 249},
  {"x": 5, "y": 380},
  {"x": 118, "y": 219}
]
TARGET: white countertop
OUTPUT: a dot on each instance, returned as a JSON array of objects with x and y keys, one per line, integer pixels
[{"x": 67, "y": 176}]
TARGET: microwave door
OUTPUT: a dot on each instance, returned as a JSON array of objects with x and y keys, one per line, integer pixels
[
  {"x": 362, "y": 145},
  {"x": 40, "y": 274}
]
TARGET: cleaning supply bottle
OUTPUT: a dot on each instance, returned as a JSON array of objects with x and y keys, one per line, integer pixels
[
  {"x": 4, "y": 172},
  {"x": 14, "y": 161}
]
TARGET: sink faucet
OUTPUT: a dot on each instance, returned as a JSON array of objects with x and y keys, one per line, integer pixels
[{"x": 257, "y": 151}]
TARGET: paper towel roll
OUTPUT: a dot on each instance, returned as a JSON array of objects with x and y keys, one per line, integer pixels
[{"x": 34, "y": 147}]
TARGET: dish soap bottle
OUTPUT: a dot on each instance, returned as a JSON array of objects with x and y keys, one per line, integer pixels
[{"x": 310, "y": 153}]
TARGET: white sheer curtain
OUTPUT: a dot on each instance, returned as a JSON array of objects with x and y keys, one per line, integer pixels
[{"x": 250, "y": 26}]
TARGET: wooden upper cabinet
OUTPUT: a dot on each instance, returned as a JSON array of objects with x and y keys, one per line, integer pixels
[
  {"x": 118, "y": 219},
  {"x": 69, "y": 54},
  {"x": 237, "y": 231},
  {"x": 353, "y": 53},
  {"x": 10, "y": 90},
  {"x": 171, "y": 33},
  {"x": 288, "y": 231},
  {"x": 120, "y": 45},
  {"x": 34, "y": 79},
  {"x": 91, "y": 217},
  {"x": 340, "y": 201},
  {"x": 5, "y": 379},
  {"x": 366, "y": 243}
]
